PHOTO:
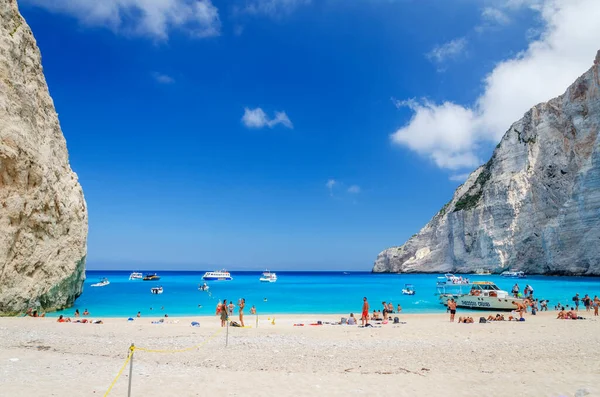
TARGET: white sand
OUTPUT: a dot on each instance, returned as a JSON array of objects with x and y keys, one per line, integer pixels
[{"x": 427, "y": 356}]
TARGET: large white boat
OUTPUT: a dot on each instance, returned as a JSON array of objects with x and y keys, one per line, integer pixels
[
  {"x": 136, "y": 276},
  {"x": 268, "y": 277},
  {"x": 483, "y": 295},
  {"x": 102, "y": 283},
  {"x": 449, "y": 278},
  {"x": 482, "y": 272},
  {"x": 513, "y": 274},
  {"x": 217, "y": 275}
]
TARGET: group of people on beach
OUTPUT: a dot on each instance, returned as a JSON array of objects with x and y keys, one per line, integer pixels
[{"x": 224, "y": 311}]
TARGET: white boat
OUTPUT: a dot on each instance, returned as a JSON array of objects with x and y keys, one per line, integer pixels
[
  {"x": 408, "y": 289},
  {"x": 483, "y": 295},
  {"x": 513, "y": 274},
  {"x": 217, "y": 275},
  {"x": 482, "y": 272},
  {"x": 156, "y": 290},
  {"x": 268, "y": 277},
  {"x": 102, "y": 283},
  {"x": 136, "y": 276},
  {"x": 203, "y": 287},
  {"x": 449, "y": 278}
]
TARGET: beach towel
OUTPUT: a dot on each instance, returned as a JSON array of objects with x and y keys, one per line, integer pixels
[{"x": 195, "y": 324}]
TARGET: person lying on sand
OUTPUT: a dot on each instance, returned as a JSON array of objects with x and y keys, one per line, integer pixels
[
  {"x": 561, "y": 315},
  {"x": 466, "y": 320},
  {"x": 62, "y": 319},
  {"x": 34, "y": 313},
  {"x": 497, "y": 317}
]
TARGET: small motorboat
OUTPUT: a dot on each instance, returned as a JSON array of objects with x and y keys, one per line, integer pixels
[
  {"x": 102, "y": 283},
  {"x": 268, "y": 277},
  {"x": 408, "y": 289},
  {"x": 136, "y": 276},
  {"x": 203, "y": 287},
  {"x": 156, "y": 290},
  {"x": 151, "y": 277}
]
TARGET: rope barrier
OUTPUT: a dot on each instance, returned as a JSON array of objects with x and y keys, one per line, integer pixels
[
  {"x": 120, "y": 371},
  {"x": 133, "y": 348}
]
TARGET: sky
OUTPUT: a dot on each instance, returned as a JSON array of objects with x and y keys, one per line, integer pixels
[{"x": 290, "y": 134}]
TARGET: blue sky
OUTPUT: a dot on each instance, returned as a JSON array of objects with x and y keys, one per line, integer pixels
[{"x": 289, "y": 134}]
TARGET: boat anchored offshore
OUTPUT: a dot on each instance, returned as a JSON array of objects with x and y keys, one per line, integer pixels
[
  {"x": 408, "y": 289},
  {"x": 482, "y": 272},
  {"x": 268, "y": 277},
  {"x": 151, "y": 277},
  {"x": 136, "y": 276},
  {"x": 102, "y": 283},
  {"x": 484, "y": 295},
  {"x": 513, "y": 274},
  {"x": 217, "y": 275},
  {"x": 449, "y": 278},
  {"x": 156, "y": 290}
]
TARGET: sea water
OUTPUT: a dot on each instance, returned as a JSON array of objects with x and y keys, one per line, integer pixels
[{"x": 294, "y": 292}]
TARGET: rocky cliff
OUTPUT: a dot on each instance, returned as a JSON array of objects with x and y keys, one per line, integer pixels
[
  {"x": 534, "y": 206},
  {"x": 43, "y": 216}
]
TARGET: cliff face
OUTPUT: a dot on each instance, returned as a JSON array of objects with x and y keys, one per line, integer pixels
[
  {"x": 534, "y": 206},
  {"x": 43, "y": 216}
]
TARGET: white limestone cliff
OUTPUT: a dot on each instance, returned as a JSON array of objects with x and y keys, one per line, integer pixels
[
  {"x": 43, "y": 215},
  {"x": 534, "y": 206}
]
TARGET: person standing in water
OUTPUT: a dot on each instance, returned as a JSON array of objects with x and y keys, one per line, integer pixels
[
  {"x": 241, "y": 305},
  {"x": 365, "y": 312}
]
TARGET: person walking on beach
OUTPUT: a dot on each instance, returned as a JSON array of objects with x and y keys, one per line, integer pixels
[
  {"x": 364, "y": 319},
  {"x": 595, "y": 304},
  {"x": 452, "y": 307},
  {"x": 224, "y": 313},
  {"x": 385, "y": 311},
  {"x": 241, "y": 305},
  {"x": 231, "y": 307}
]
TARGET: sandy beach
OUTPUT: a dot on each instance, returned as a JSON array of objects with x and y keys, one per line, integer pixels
[{"x": 425, "y": 356}]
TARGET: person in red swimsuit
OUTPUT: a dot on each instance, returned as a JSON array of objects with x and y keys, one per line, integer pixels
[{"x": 365, "y": 312}]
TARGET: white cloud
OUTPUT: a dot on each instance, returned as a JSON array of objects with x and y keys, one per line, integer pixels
[
  {"x": 163, "y": 78},
  {"x": 257, "y": 118},
  {"x": 153, "y": 18},
  {"x": 451, "y": 134},
  {"x": 449, "y": 50},
  {"x": 273, "y": 8},
  {"x": 495, "y": 15},
  {"x": 354, "y": 189},
  {"x": 329, "y": 185}
]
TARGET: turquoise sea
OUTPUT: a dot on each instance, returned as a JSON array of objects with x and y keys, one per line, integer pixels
[{"x": 294, "y": 292}]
